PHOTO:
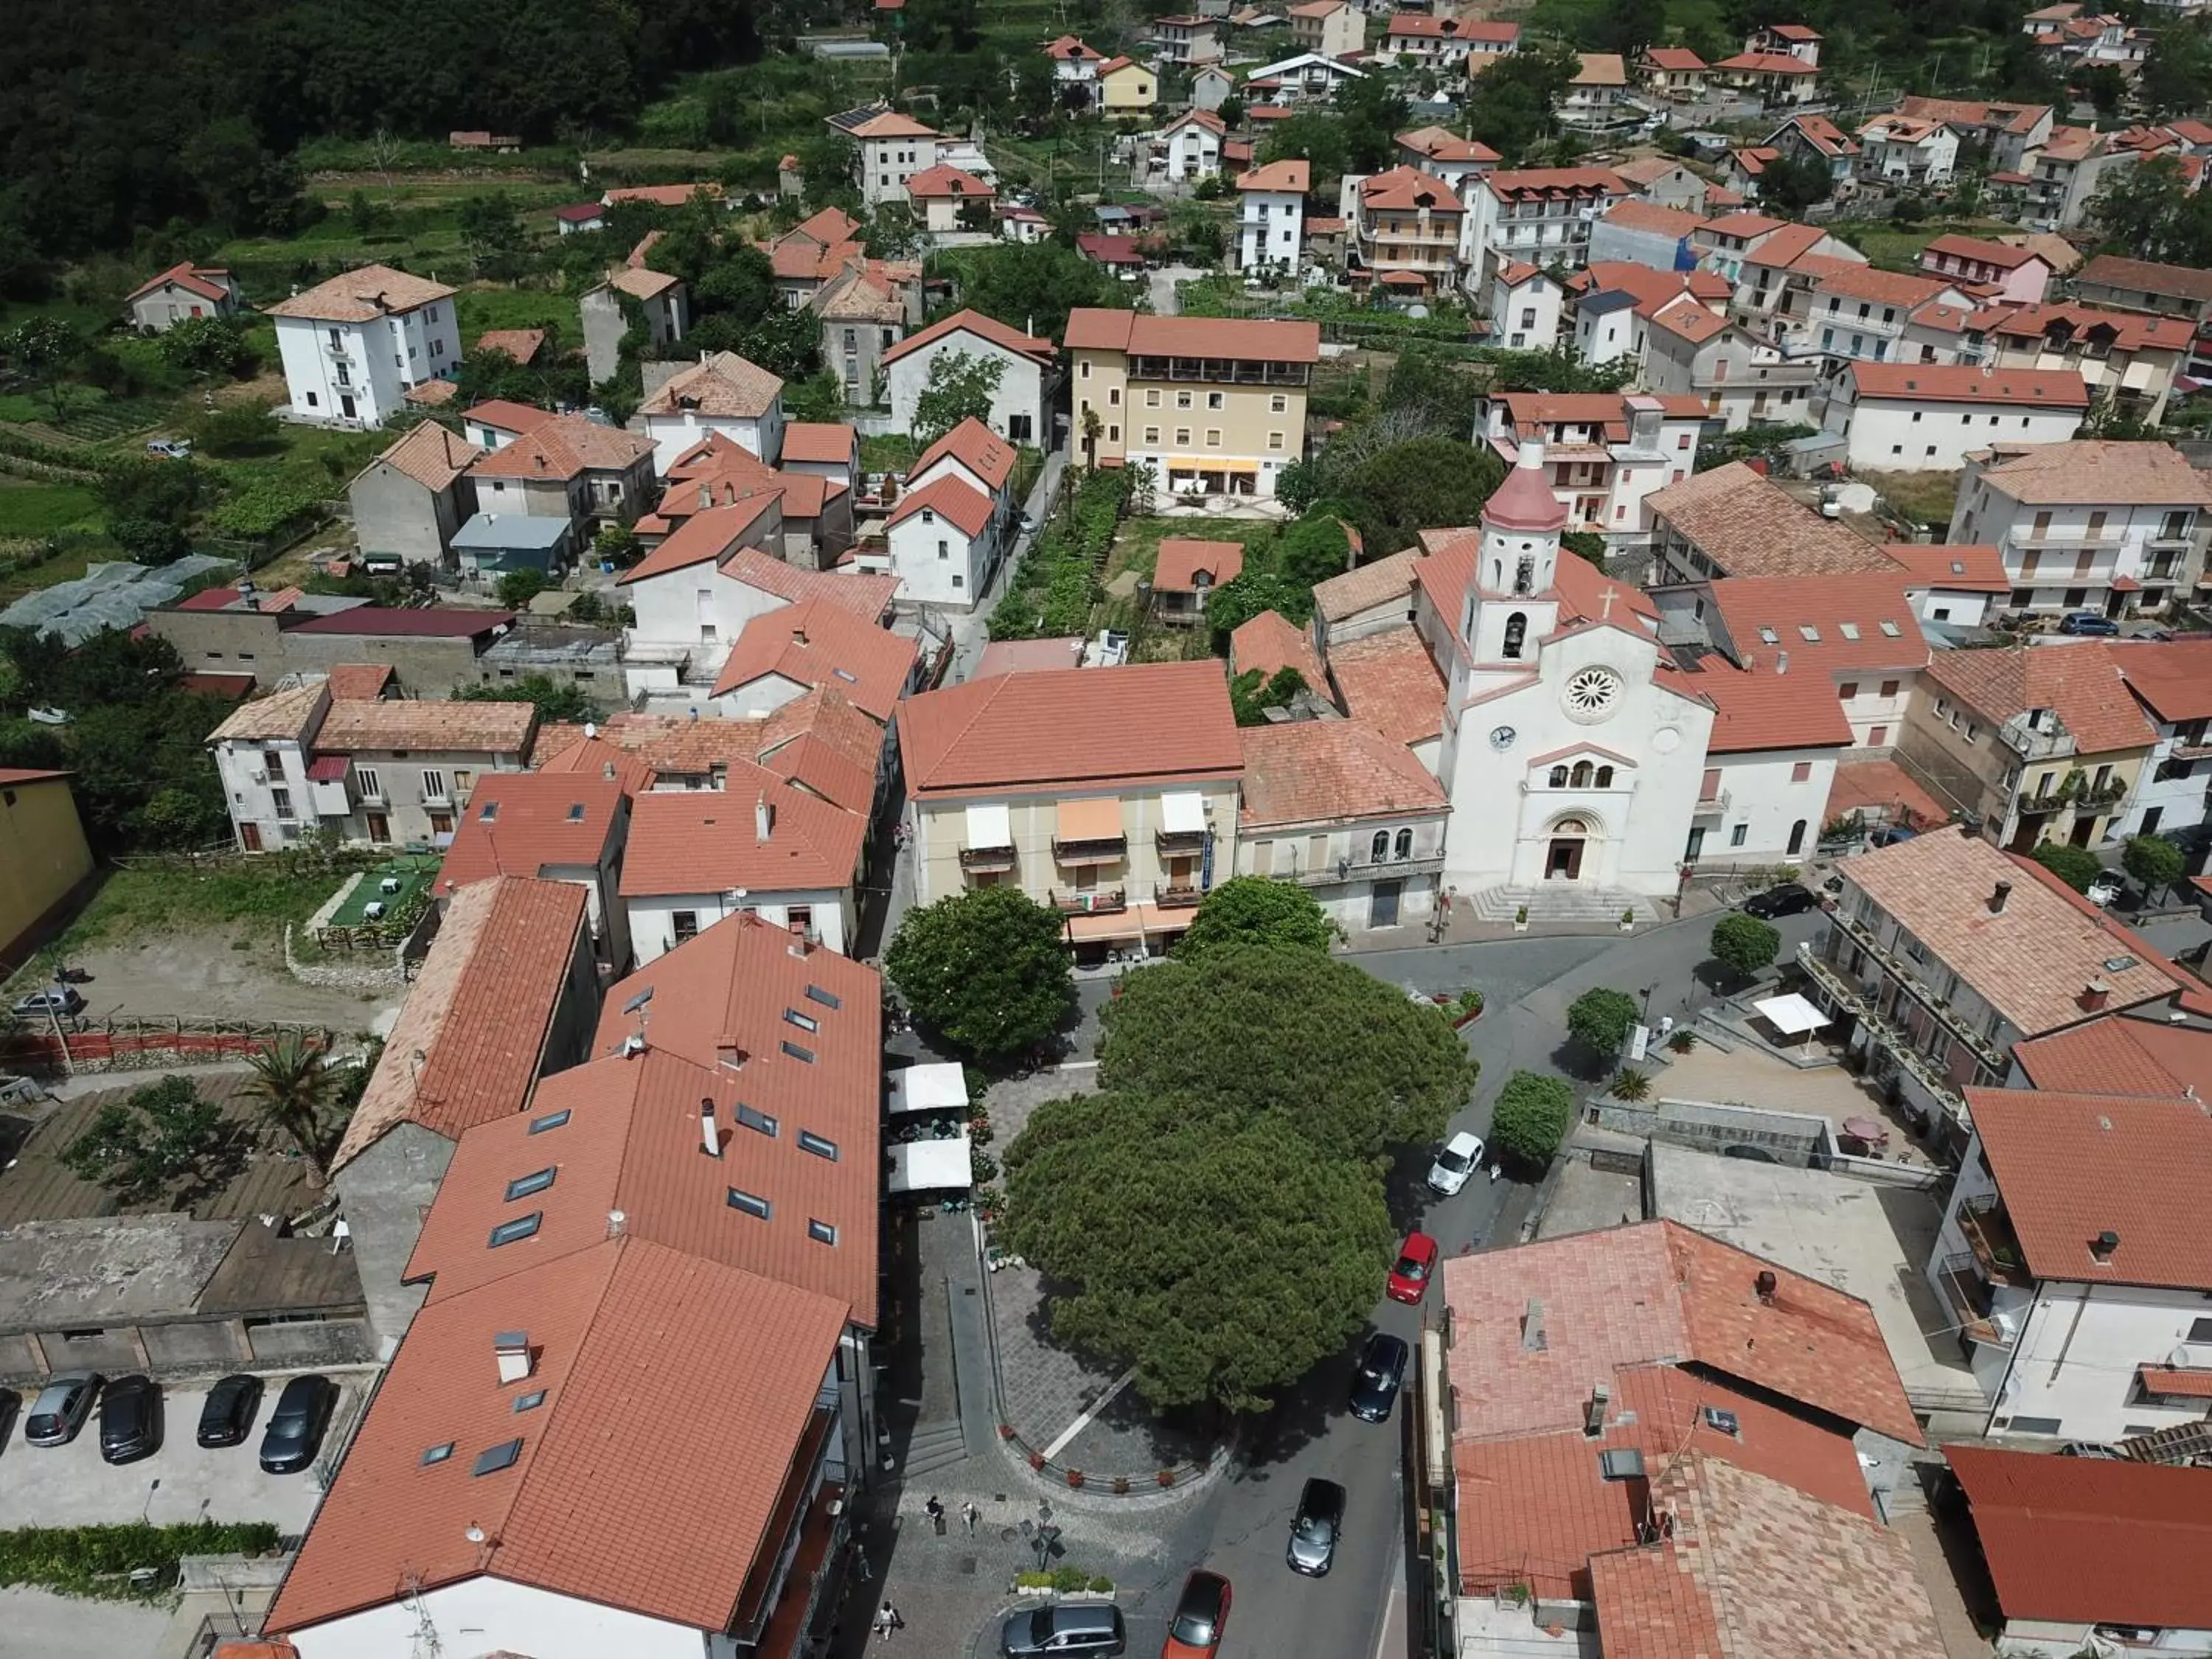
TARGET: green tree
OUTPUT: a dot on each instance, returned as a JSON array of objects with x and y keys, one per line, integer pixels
[
  {"x": 208, "y": 346},
  {"x": 1032, "y": 287},
  {"x": 1585, "y": 544},
  {"x": 1255, "y": 910},
  {"x": 559, "y": 701},
  {"x": 2153, "y": 860},
  {"x": 1517, "y": 100},
  {"x": 518, "y": 587},
  {"x": 2102, "y": 84},
  {"x": 2150, "y": 211},
  {"x": 1327, "y": 1049},
  {"x": 178, "y": 820},
  {"x": 46, "y": 349},
  {"x": 1599, "y": 1020},
  {"x": 988, "y": 968},
  {"x": 1743, "y": 944},
  {"x": 238, "y": 429},
  {"x": 290, "y": 1090},
  {"x": 491, "y": 232},
  {"x": 617, "y": 543},
  {"x": 1220, "y": 1258},
  {"x": 2176, "y": 78},
  {"x": 1245, "y": 595},
  {"x": 1399, "y": 489},
  {"x": 1314, "y": 549},
  {"x": 249, "y": 188},
  {"x": 1531, "y": 1118},
  {"x": 960, "y": 387},
  {"x": 1793, "y": 181},
  {"x": 1562, "y": 369},
  {"x": 1374, "y": 112},
  {"x": 2076, "y": 866},
  {"x": 1255, "y": 691},
  {"x": 137, "y": 1147},
  {"x": 149, "y": 504}
]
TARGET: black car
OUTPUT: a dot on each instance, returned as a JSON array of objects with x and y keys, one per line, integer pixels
[
  {"x": 1315, "y": 1527},
  {"x": 227, "y": 1414},
  {"x": 295, "y": 1428},
  {"x": 130, "y": 1419},
  {"x": 2088, "y": 622},
  {"x": 1787, "y": 900},
  {"x": 1375, "y": 1384}
]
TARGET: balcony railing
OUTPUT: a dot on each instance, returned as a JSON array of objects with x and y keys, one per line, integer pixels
[
  {"x": 1097, "y": 901},
  {"x": 987, "y": 857},
  {"x": 1907, "y": 973},
  {"x": 1171, "y": 896},
  {"x": 1323, "y": 875},
  {"x": 1102, "y": 850},
  {"x": 2057, "y": 536},
  {"x": 1184, "y": 841},
  {"x": 1996, "y": 1247},
  {"x": 1712, "y": 805},
  {"x": 1893, "y": 1039},
  {"x": 1968, "y": 1293}
]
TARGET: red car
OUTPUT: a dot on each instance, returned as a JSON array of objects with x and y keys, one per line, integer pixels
[
  {"x": 1417, "y": 1261},
  {"x": 1201, "y": 1615}
]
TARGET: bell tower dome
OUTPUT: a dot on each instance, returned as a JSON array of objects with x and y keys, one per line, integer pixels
[{"x": 1510, "y": 602}]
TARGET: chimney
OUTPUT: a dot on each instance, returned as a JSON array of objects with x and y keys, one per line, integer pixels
[
  {"x": 607, "y": 771},
  {"x": 1998, "y": 894},
  {"x": 1594, "y": 1410},
  {"x": 590, "y": 728},
  {"x": 799, "y": 636},
  {"x": 1780, "y": 662},
  {"x": 1764, "y": 1284},
  {"x": 2094, "y": 995},
  {"x": 728, "y": 1053},
  {"x": 763, "y": 815},
  {"x": 1532, "y": 1327},
  {"x": 710, "y": 1142},
  {"x": 799, "y": 944},
  {"x": 2102, "y": 1246},
  {"x": 512, "y": 1350},
  {"x": 616, "y": 1223}
]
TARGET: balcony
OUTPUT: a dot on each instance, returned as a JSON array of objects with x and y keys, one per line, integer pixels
[
  {"x": 1892, "y": 1038},
  {"x": 1968, "y": 1294},
  {"x": 1091, "y": 901},
  {"x": 1371, "y": 870},
  {"x": 1181, "y": 843},
  {"x": 1713, "y": 806},
  {"x": 1906, "y": 974},
  {"x": 1170, "y": 895},
  {"x": 1996, "y": 1248},
  {"x": 2055, "y": 535},
  {"x": 987, "y": 857},
  {"x": 339, "y": 349},
  {"x": 1102, "y": 850}
]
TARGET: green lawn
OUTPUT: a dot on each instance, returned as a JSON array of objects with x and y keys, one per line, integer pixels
[
  {"x": 42, "y": 509},
  {"x": 415, "y": 876},
  {"x": 481, "y": 308},
  {"x": 1137, "y": 544}
]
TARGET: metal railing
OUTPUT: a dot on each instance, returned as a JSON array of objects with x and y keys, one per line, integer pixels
[
  {"x": 1101, "y": 850},
  {"x": 1099, "y": 902},
  {"x": 1895, "y": 1040},
  {"x": 1968, "y": 1293},
  {"x": 1904, "y": 972},
  {"x": 1170, "y": 895},
  {"x": 987, "y": 857},
  {"x": 1996, "y": 1248}
]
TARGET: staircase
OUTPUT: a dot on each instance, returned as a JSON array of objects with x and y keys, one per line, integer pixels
[
  {"x": 933, "y": 1446},
  {"x": 1554, "y": 901}
]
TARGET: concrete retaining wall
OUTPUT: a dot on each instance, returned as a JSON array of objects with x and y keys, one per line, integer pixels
[{"x": 1791, "y": 1137}]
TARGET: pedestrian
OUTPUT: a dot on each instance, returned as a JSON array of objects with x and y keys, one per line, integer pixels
[
  {"x": 935, "y": 1511},
  {"x": 886, "y": 1620},
  {"x": 971, "y": 1515}
]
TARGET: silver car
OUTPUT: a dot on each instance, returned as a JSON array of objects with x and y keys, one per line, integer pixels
[
  {"x": 1315, "y": 1528},
  {"x": 61, "y": 1409}
]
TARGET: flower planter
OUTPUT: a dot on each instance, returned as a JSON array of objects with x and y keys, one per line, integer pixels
[
  {"x": 1036, "y": 1459},
  {"x": 1120, "y": 1485},
  {"x": 1075, "y": 1477},
  {"x": 1006, "y": 1431},
  {"x": 1166, "y": 1476}
]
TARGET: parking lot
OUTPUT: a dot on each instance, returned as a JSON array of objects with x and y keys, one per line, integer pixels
[{"x": 69, "y": 1485}]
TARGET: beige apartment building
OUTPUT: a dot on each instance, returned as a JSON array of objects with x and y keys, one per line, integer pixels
[
  {"x": 1213, "y": 406},
  {"x": 1109, "y": 794}
]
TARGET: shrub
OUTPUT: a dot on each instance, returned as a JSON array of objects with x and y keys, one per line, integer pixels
[
  {"x": 2075, "y": 866},
  {"x": 1743, "y": 944},
  {"x": 1103, "y": 1586},
  {"x": 1065, "y": 1579},
  {"x": 1531, "y": 1117},
  {"x": 1683, "y": 1042},
  {"x": 97, "y": 1561},
  {"x": 1630, "y": 1086},
  {"x": 1599, "y": 1020}
]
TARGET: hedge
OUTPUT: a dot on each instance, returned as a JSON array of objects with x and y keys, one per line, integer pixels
[{"x": 97, "y": 1562}]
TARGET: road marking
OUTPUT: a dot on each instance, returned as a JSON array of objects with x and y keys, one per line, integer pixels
[
  {"x": 1078, "y": 1065},
  {"x": 1083, "y": 1418}
]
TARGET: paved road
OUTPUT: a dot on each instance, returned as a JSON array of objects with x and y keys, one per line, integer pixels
[{"x": 1162, "y": 287}]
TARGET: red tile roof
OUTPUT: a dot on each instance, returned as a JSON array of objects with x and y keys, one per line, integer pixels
[
  {"x": 976, "y": 447},
  {"x": 1249, "y": 339},
  {"x": 522, "y": 344},
  {"x": 976, "y": 323},
  {"x": 1078, "y": 726},
  {"x": 478, "y": 1013},
  {"x": 1320, "y": 771},
  {"x": 2121, "y": 1056},
  {"x": 2082, "y": 684},
  {"x": 1270, "y": 644},
  {"x": 968, "y": 509},
  {"x": 1182, "y": 558},
  {"x": 1956, "y": 383},
  {"x": 507, "y": 415},
  {"x": 601, "y": 1501},
  {"x": 1292, "y": 178},
  {"x": 431, "y": 455},
  {"x": 1965, "y": 567},
  {"x": 950, "y": 182},
  {"x": 2085, "y": 1541},
  {"x": 1406, "y": 190},
  {"x": 1759, "y": 710},
  {"x": 705, "y": 536},
  {"x": 1389, "y": 681},
  {"x": 191, "y": 278},
  {"x": 358, "y": 682},
  {"x": 434, "y": 725},
  {"x": 2172, "y": 679},
  {"x": 814, "y": 643},
  {"x": 818, "y": 441},
  {"x": 708, "y": 841},
  {"x": 1827, "y": 624},
  {"x": 534, "y": 823},
  {"x": 2003, "y": 255},
  {"x": 1885, "y": 786}
]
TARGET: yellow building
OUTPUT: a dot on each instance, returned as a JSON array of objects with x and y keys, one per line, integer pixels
[
  {"x": 1215, "y": 406},
  {"x": 42, "y": 856},
  {"x": 1109, "y": 794},
  {"x": 1126, "y": 87}
]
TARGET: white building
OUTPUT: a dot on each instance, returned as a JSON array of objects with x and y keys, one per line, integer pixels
[
  {"x": 1605, "y": 453},
  {"x": 1928, "y": 417},
  {"x": 944, "y": 544},
  {"x": 1855, "y": 635},
  {"x": 354, "y": 346},
  {"x": 1308, "y": 78},
  {"x": 1594, "y": 97},
  {"x": 1960, "y": 584},
  {"x": 889, "y": 148},
  {"x": 1443, "y": 153},
  {"x": 1333, "y": 28},
  {"x": 1075, "y": 69},
  {"x": 2113, "y": 527},
  {"x": 1192, "y": 146},
  {"x": 721, "y": 392},
  {"x": 1536, "y": 215},
  {"x": 1525, "y": 305},
  {"x": 1020, "y": 404},
  {"x": 1905, "y": 151},
  {"x": 2173, "y": 682},
  {"x": 1857, "y": 310},
  {"x": 1769, "y": 766},
  {"x": 262, "y": 753},
  {"x": 1271, "y": 215}
]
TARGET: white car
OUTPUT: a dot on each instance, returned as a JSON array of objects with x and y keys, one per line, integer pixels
[{"x": 1456, "y": 1162}]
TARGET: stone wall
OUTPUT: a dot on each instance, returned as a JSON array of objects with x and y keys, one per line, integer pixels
[{"x": 1792, "y": 1137}]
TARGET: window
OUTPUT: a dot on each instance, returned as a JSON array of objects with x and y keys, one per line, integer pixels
[
  {"x": 282, "y": 800},
  {"x": 521, "y": 1227},
  {"x": 1558, "y": 777},
  {"x": 822, "y": 1232},
  {"x": 683, "y": 925},
  {"x": 1403, "y": 848},
  {"x": 1889, "y": 687},
  {"x": 522, "y": 1186},
  {"x": 797, "y": 1053},
  {"x": 751, "y": 1203},
  {"x": 1113, "y": 398},
  {"x": 1736, "y": 836},
  {"x": 1879, "y": 735},
  {"x": 1213, "y": 437},
  {"x": 1182, "y": 400},
  {"x": 492, "y": 1459},
  {"x": 752, "y": 1118},
  {"x": 1379, "y": 847},
  {"x": 1517, "y": 632},
  {"x": 436, "y": 1455},
  {"x": 1183, "y": 437},
  {"x": 1278, "y": 405},
  {"x": 1802, "y": 772},
  {"x": 531, "y": 1401},
  {"x": 1151, "y": 434},
  {"x": 366, "y": 780},
  {"x": 1213, "y": 400},
  {"x": 434, "y": 786},
  {"x": 1274, "y": 441},
  {"x": 538, "y": 1125},
  {"x": 1114, "y": 434},
  {"x": 1082, "y": 370}
]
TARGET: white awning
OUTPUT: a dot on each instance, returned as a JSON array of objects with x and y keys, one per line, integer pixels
[
  {"x": 932, "y": 1088},
  {"x": 926, "y": 1166},
  {"x": 989, "y": 826},
  {"x": 1792, "y": 1015},
  {"x": 1183, "y": 812}
]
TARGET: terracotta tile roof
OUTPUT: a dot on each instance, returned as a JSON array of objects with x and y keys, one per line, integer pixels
[
  {"x": 1653, "y": 289},
  {"x": 640, "y": 283},
  {"x": 826, "y": 746},
  {"x": 813, "y": 642},
  {"x": 2121, "y": 1055},
  {"x": 430, "y": 394},
  {"x": 522, "y": 344},
  {"x": 199, "y": 280},
  {"x": 569, "y": 750},
  {"x": 946, "y": 180},
  {"x": 1655, "y": 1292},
  {"x": 601, "y": 1502},
  {"x": 1406, "y": 190},
  {"x": 2081, "y": 682},
  {"x": 362, "y": 295},
  {"x": 1181, "y": 559},
  {"x": 2060, "y": 323},
  {"x": 1068, "y": 47},
  {"x": 2173, "y": 680},
  {"x": 358, "y": 682},
  {"x": 2089, "y": 471},
  {"x": 818, "y": 441},
  {"x": 1555, "y": 181},
  {"x": 1388, "y": 681},
  {"x": 488, "y": 728},
  {"x": 708, "y": 841},
  {"x": 952, "y": 499},
  {"x": 2071, "y": 1166},
  {"x": 710, "y": 535},
  {"x": 1075, "y": 726},
  {"x": 1759, "y": 710},
  {"x": 665, "y": 194},
  {"x": 2031, "y": 962},
  {"x": 1271, "y": 644},
  {"x": 1827, "y": 623},
  {"x": 1600, "y": 69},
  {"x": 1248, "y": 339},
  {"x": 724, "y": 385},
  {"x": 1890, "y": 288},
  {"x": 2085, "y": 1541},
  {"x": 1752, "y": 528},
  {"x": 2010, "y": 117},
  {"x": 282, "y": 715},
  {"x": 1884, "y": 785},
  {"x": 976, "y": 323},
  {"x": 890, "y": 123},
  {"x": 1676, "y": 60},
  {"x": 1765, "y": 63},
  {"x": 1380, "y": 581},
  {"x": 1636, "y": 214},
  {"x": 507, "y": 415},
  {"x": 1967, "y": 567},
  {"x": 830, "y": 226},
  {"x": 1292, "y": 178},
  {"x": 534, "y": 823},
  {"x": 976, "y": 447},
  {"x": 478, "y": 1012},
  {"x": 1321, "y": 771},
  {"x": 431, "y": 455},
  {"x": 1440, "y": 143},
  {"x": 1824, "y": 135},
  {"x": 718, "y": 454},
  {"x": 1954, "y": 383},
  {"x": 2146, "y": 276},
  {"x": 563, "y": 446},
  {"x": 2003, "y": 255}
]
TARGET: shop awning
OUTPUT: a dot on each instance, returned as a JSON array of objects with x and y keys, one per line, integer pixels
[
  {"x": 989, "y": 826},
  {"x": 1089, "y": 820},
  {"x": 1183, "y": 812},
  {"x": 928, "y": 1166},
  {"x": 327, "y": 768},
  {"x": 932, "y": 1088},
  {"x": 1139, "y": 920}
]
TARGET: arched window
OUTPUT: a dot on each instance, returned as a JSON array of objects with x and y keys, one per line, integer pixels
[
  {"x": 1405, "y": 846},
  {"x": 1571, "y": 827},
  {"x": 1558, "y": 777},
  {"x": 1468, "y": 629},
  {"x": 1796, "y": 838},
  {"x": 1379, "y": 848},
  {"x": 1581, "y": 775},
  {"x": 1524, "y": 574},
  {"x": 1605, "y": 777},
  {"x": 1516, "y": 630},
  {"x": 1497, "y": 571}
]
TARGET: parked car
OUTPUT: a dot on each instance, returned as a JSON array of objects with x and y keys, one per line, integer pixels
[
  {"x": 61, "y": 1408},
  {"x": 226, "y": 1415},
  {"x": 130, "y": 1419},
  {"x": 1789, "y": 899},
  {"x": 1201, "y": 1613},
  {"x": 1374, "y": 1382},
  {"x": 170, "y": 449},
  {"x": 1083, "y": 1627},
  {"x": 1315, "y": 1527},
  {"x": 54, "y": 1000},
  {"x": 1456, "y": 1162},
  {"x": 295, "y": 1428},
  {"x": 1409, "y": 1275},
  {"x": 2088, "y": 621}
]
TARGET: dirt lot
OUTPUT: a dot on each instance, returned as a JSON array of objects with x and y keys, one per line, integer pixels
[{"x": 198, "y": 975}]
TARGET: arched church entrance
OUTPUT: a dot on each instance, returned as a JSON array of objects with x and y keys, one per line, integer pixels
[{"x": 1562, "y": 852}]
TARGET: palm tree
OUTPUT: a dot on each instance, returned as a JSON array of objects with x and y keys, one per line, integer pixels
[{"x": 291, "y": 1085}]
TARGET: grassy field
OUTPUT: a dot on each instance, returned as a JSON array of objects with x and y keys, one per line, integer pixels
[
  {"x": 1137, "y": 544},
  {"x": 415, "y": 875},
  {"x": 43, "y": 510},
  {"x": 253, "y": 905},
  {"x": 1927, "y": 496}
]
